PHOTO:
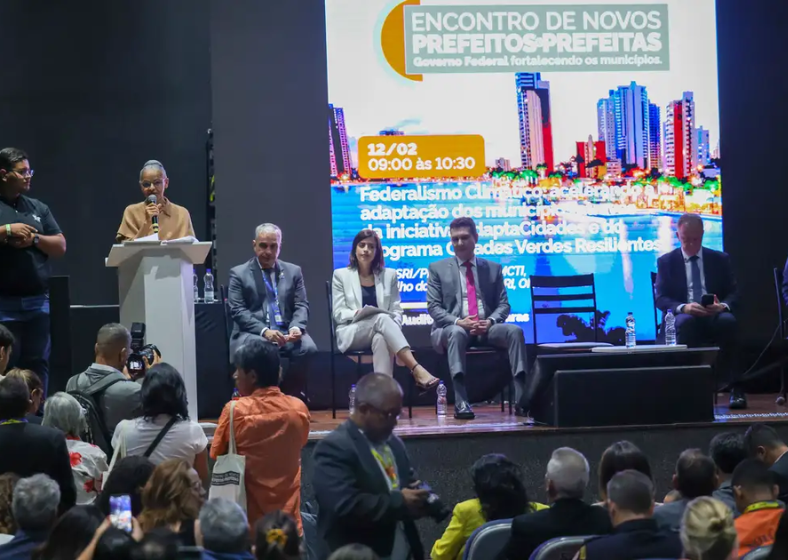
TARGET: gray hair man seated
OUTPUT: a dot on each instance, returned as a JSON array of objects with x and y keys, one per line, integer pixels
[
  {"x": 630, "y": 501},
  {"x": 35, "y": 507},
  {"x": 223, "y": 531},
  {"x": 566, "y": 481}
]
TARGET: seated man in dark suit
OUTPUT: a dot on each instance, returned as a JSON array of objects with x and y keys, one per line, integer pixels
[
  {"x": 35, "y": 506},
  {"x": 568, "y": 516},
  {"x": 27, "y": 449},
  {"x": 630, "y": 500},
  {"x": 764, "y": 444},
  {"x": 684, "y": 276},
  {"x": 467, "y": 301},
  {"x": 727, "y": 450},
  {"x": 267, "y": 299},
  {"x": 695, "y": 476},
  {"x": 363, "y": 478}
]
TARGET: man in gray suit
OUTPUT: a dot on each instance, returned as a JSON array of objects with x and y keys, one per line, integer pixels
[
  {"x": 467, "y": 301},
  {"x": 267, "y": 299}
]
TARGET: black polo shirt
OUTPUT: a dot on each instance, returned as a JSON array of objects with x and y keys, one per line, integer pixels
[{"x": 25, "y": 272}]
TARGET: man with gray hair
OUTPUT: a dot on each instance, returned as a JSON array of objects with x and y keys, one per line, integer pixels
[
  {"x": 35, "y": 508},
  {"x": 267, "y": 299},
  {"x": 566, "y": 480},
  {"x": 223, "y": 531}
]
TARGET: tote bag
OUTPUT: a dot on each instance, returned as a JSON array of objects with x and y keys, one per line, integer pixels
[
  {"x": 227, "y": 480},
  {"x": 119, "y": 453}
]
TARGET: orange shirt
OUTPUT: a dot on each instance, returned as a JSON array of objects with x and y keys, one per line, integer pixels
[
  {"x": 757, "y": 525},
  {"x": 270, "y": 430}
]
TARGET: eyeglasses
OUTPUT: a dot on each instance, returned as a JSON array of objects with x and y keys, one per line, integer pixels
[
  {"x": 24, "y": 174},
  {"x": 387, "y": 414},
  {"x": 147, "y": 184}
]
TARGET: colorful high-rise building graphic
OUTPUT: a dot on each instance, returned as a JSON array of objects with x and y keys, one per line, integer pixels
[
  {"x": 339, "y": 149},
  {"x": 654, "y": 137},
  {"x": 681, "y": 138},
  {"x": 606, "y": 126},
  {"x": 536, "y": 131},
  {"x": 704, "y": 151},
  {"x": 591, "y": 158}
]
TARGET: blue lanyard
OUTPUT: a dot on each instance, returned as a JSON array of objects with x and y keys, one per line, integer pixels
[{"x": 273, "y": 287}]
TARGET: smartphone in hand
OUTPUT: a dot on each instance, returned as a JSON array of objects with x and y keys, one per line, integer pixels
[
  {"x": 120, "y": 512},
  {"x": 707, "y": 300}
]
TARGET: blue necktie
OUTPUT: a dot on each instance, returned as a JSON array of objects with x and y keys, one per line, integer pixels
[{"x": 697, "y": 289}]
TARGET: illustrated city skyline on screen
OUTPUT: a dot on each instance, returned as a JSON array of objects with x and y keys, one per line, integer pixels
[{"x": 575, "y": 135}]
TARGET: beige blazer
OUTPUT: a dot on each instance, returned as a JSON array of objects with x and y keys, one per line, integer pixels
[{"x": 346, "y": 296}]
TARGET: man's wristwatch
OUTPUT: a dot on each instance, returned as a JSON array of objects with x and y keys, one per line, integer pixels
[{"x": 36, "y": 239}]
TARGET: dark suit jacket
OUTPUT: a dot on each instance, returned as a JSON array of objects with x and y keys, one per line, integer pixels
[
  {"x": 672, "y": 279},
  {"x": 566, "y": 518},
  {"x": 29, "y": 449},
  {"x": 355, "y": 503},
  {"x": 632, "y": 540},
  {"x": 22, "y": 545},
  {"x": 780, "y": 471},
  {"x": 248, "y": 300}
]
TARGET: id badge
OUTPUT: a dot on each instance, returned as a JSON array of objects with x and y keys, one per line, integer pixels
[{"x": 278, "y": 318}]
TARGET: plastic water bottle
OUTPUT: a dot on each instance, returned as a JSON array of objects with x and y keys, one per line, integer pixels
[
  {"x": 442, "y": 403},
  {"x": 670, "y": 329},
  {"x": 631, "y": 340},
  {"x": 196, "y": 288},
  {"x": 351, "y": 399},
  {"x": 208, "y": 286},
  {"x": 236, "y": 394}
]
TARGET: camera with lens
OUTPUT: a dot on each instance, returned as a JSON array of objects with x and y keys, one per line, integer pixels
[
  {"x": 141, "y": 353},
  {"x": 434, "y": 506}
]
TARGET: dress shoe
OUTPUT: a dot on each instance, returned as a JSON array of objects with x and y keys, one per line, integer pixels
[
  {"x": 518, "y": 411},
  {"x": 738, "y": 400},
  {"x": 463, "y": 411}
]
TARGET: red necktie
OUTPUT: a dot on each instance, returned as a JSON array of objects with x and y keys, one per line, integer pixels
[{"x": 470, "y": 283}]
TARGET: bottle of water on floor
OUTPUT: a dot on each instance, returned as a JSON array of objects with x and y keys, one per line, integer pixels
[
  {"x": 670, "y": 329},
  {"x": 351, "y": 399},
  {"x": 208, "y": 286},
  {"x": 196, "y": 288},
  {"x": 442, "y": 403},
  {"x": 630, "y": 324}
]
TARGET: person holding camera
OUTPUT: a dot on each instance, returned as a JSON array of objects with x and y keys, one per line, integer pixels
[
  {"x": 365, "y": 486},
  {"x": 117, "y": 397}
]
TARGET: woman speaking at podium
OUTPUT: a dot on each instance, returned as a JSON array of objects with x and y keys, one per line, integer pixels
[
  {"x": 155, "y": 214},
  {"x": 367, "y": 310}
]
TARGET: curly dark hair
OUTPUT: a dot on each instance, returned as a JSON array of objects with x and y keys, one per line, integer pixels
[
  {"x": 163, "y": 392},
  {"x": 7, "y": 522},
  {"x": 129, "y": 477},
  {"x": 621, "y": 456},
  {"x": 284, "y": 545},
  {"x": 71, "y": 534},
  {"x": 377, "y": 261},
  {"x": 498, "y": 483}
]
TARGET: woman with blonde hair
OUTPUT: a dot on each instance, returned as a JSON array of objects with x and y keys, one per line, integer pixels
[
  {"x": 172, "y": 499},
  {"x": 36, "y": 389},
  {"x": 8, "y": 525},
  {"x": 708, "y": 532}
]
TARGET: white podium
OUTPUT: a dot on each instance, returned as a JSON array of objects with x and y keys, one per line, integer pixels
[{"x": 156, "y": 281}]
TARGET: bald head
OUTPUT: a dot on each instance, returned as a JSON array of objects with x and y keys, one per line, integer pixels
[
  {"x": 378, "y": 406},
  {"x": 113, "y": 344},
  {"x": 376, "y": 389}
]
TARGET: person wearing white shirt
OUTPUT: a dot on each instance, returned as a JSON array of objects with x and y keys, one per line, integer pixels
[
  {"x": 366, "y": 283},
  {"x": 687, "y": 274}
]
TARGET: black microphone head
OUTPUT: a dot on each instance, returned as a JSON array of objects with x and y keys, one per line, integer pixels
[{"x": 151, "y": 199}]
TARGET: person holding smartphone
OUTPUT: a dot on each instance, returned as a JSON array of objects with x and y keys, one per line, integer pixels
[{"x": 697, "y": 284}]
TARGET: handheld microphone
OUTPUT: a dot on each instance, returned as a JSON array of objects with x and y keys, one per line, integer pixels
[{"x": 154, "y": 219}]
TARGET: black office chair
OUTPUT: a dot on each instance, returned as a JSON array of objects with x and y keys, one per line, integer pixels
[
  {"x": 657, "y": 322},
  {"x": 548, "y": 293},
  {"x": 357, "y": 356},
  {"x": 778, "y": 283}
]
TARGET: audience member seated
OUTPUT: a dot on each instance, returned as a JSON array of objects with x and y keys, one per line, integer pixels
[
  {"x": 764, "y": 444},
  {"x": 120, "y": 400},
  {"x": 500, "y": 494},
  {"x": 621, "y": 456},
  {"x": 6, "y": 345},
  {"x": 756, "y": 499},
  {"x": 354, "y": 552},
  {"x": 566, "y": 479},
  {"x": 70, "y": 534},
  {"x": 276, "y": 537},
  {"x": 780, "y": 546},
  {"x": 267, "y": 424},
  {"x": 35, "y": 507},
  {"x": 695, "y": 476},
  {"x": 28, "y": 449},
  {"x": 707, "y": 531},
  {"x": 172, "y": 499},
  {"x": 223, "y": 531},
  {"x": 129, "y": 477},
  {"x": 7, "y": 523},
  {"x": 164, "y": 409},
  {"x": 115, "y": 544},
  {"x": 36, "y": 390},
  {"x": 727, "y": 450},
  {"x": 159, "y": 544},
  {"x": 630, "y": 500},
  {"x": 88, "y": 462}
]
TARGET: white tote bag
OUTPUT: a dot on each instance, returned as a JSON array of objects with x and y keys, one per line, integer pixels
[
  {"x": 118, "y": 453},
  {"x": 227, "y": 480}
]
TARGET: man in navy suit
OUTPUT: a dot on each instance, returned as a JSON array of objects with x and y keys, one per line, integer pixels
[{"x": 686, "y": 274}]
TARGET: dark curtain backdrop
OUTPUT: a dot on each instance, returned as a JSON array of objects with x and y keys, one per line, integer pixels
[{"x": 93, "y": 89}]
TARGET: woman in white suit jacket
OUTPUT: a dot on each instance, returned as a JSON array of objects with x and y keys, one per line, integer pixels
[{"x": 366, "y": 282}]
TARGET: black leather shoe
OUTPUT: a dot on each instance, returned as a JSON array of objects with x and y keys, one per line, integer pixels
[
  {"x": 463, "y": 411},
  {"x": 518, "y": 411},
  {"x": 738, "y": 401}
]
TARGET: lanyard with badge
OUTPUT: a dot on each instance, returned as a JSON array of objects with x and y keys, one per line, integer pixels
[
  {"x": 386, "y": 462},
  {"x": 762, "y": 505},
  {"x": 274, "y": 305},
  {"x": 13, "y": 421}
]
